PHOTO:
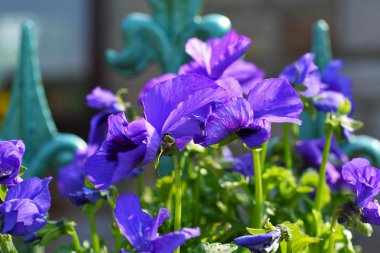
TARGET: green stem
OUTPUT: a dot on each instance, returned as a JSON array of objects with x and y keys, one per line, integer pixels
[
  {"x": 178, "y": 197},
  {"x": 287, "y": 146},
  {"x": 332, "y": 234},
  {"x": 94, "y": 232},
  {"x": 264, "y": 154},
  {"x": 322, "y": 170},
  {"x": 258, "y": 208},
  {"x": 76, "y": 242},
  {"x": 289, "y": 245}
]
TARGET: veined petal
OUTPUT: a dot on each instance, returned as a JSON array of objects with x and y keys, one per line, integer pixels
[
  {"x": 200, "y": 52},
  {"x": 193, "y": 67},
  {"x": 247, "y": 73},
  {"x": 152, "y": 82},
  {"x": 163, "y": 98},
  {"x": 255, "y": 134},
  {"x": 275, "y": 100},
  {"x": 134, "y": 223},
  {"x": 371, "y": 213},
  {"x": 226, "y": 119},
  {"x": 34, "y": 189},
  {"x": 231, "y": 86},
  {"x": 268, "y": 242},
  {"x": 169, "y": 242},
  {"x": 328, "y": 101}
]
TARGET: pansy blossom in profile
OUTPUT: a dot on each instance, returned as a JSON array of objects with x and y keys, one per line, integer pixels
[
  {"x": 365, "y": 179},
  {"x": 25, "y": 207},
  {"x": 270, "y": 101},
  {"x": 11, "y": 153},
  {"x": 267, "y": 242},
  {"x": 304, "y": 71},
  {"x": 219, "y": 58},
  {"x": 141, "y": 229}
]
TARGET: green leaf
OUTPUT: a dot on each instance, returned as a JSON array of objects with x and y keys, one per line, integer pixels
[
  {"x": 232, "y": 180},
  {"x": 257, "y": 231},
  {"x": 300, "y": 240},
  {"x": 6, "y": 244},
  {"x": 3, "y": 192},
  {"x": 215, "y": 248}
]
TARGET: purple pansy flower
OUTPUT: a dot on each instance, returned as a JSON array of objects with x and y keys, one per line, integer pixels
[
  {"x": 311, "y": 152},
  {"x": 219, "y": 58},
  {"x": 270, "y": 101},
  {"x": 268, "y": 242},
  {"x": 11, "y": 153},
  {"x": 304, "y": 71},
  {"x": 102, "y": 99},
  {"x": 84, "y": 196},
  {"x": 126, "y": 146},
  {"x": 364, "y": 178},
  {"x": 371, "y": 213},
  {"x": 141, "y": 229},
  {"x": 170, "y": 108},
  {"x": 108, "y": 103},
  {"x": 25, "y": 207},
  {"x": 71, "y": 177}
]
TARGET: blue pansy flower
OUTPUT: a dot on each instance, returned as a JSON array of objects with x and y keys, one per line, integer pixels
[
  {"x": 304, "y": 71},
  {"x": 270, "y": 101},
  {"x": 11, "y": 153},
  {"x": 218, "y": 58},
  {"x": 268, "y": 242},
  {"x": 25, "y": 207},
  {"x": 170, "y": 108},
  {"x": 365, "y": 179},
  {"x": 141, "y": 229}
]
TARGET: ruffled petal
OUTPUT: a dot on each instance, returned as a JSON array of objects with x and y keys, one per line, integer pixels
[
  {"x": 275, "y": 100},
  {"x": 371, "y": 213},
  {"x": 247, "y": 73},
  {"x": 169, "y": 242},
  {"x": 152, "y": 82},
  {"x": 255, "y": 134},
  {"x": 34, "y": 189},
  {"x": 226, "y": 119}
]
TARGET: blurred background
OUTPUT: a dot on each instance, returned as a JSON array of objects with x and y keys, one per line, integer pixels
[{"x": 73, "y": 36}]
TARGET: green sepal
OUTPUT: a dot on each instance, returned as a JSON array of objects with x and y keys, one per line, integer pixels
[
  {"x": 345, "y": 107},
  {"x": 300, "y": 240},
  {"x": 257, "y": 231},
  {"x": 309, "y": 107},
  {"x": 22, "y": 171},
  {"x": 3, "y": 192},
  {"x": 364, "y": 228},
  {"x": 215, "y": 248},
  {"x": 225, "y": 141},
  {"x": 54, "y": 230},
  {"x": 6, "y": 244},
  {"x": 350, "y": 124}
]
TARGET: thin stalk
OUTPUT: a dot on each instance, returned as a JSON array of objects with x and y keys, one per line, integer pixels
[
  {"x": 264, "y": 154},
  {"x": 178, "y": 197},
  {"x": 289, "y": 245},
  {"x": 76, "y": 242},
  {"x": 322, "y": 170},
  {"x": 258, "y": 208},
  {"x": 94, "y": 232},
  {"x": 287, "y": 146},
  {"x": 332, "y": 234}
]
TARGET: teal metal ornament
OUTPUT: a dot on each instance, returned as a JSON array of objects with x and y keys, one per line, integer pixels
[
  {"x": 29, "y": 117},
  {"x": 161, "y": 37},
  {"x": 358, "y": 145}
]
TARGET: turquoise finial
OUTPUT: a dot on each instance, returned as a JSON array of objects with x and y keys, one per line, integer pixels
[
  {"x": 29, "y": 117},
  {"x": 161, "y": 37},
  {"x": 321, "y": 44}
]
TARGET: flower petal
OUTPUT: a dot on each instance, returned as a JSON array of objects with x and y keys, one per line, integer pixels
[
  {"x": 169, "y": 242},
  {"x": 226, "y": 119},
  {"x": 275, "y": 100},
  {"x": 255, "y": 134},
  {"x": 371, "y": 213}
]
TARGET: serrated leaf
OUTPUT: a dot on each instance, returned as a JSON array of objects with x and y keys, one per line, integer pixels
[
  {"x": 215, "y": 248},
  {"x": 6, "y": 244}
]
